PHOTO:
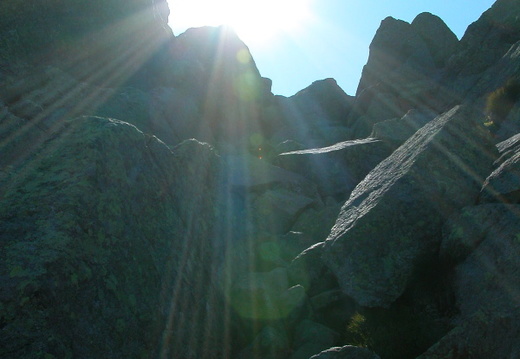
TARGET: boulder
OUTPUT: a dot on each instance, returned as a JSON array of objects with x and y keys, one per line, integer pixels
[
  {"x": 486, "y": 279},
  {"x": 400, "y": 73},
  {"x": 440, "y": 40},
  {"x": 392, "y": 220},
  {"x": 346, "y": 352},
  {"x": 396, "y": 131},
  {"x": 106, "y": 234},
  {"x": 481, "y": 337},
  {"x": 265, "y": 297},
  {"x": 486, "y": 284},
  {"x": 309, "y": 271},
  {"x": 336, "y": 169},
  {"x": 315, "y": 116},
  {"x": 97, "y": 44},
  {"x": 271, "y": 343},
  {"x": 481, "y": 56},
  {"x": 503, "y": 185},
  {"x": 215, "y": 66}
]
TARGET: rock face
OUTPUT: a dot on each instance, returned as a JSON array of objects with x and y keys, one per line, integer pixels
[
  {"x": 315, "y": 116},
  {"x": 346, "y": 352},
  {"x": 485, "y": 42},
  {"x": 105, "y": 242},
  {"x": 104, "y": 41},
  {"x": 336, "y": 169},
  {"x": 503, "y": 185},
  {"x": 157, "y": 200},
  {"x": 391, "y": 221},
  {"x": 399, "y": 75},
  {"x": 483, "y": 242}
]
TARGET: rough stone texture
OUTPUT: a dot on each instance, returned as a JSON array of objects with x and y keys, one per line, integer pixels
[
  {"x": 400, "y": 72},
  {"x": 265, "y": 297},
  {"x": 397, "y": 131},
  {"x": 106, "y": 41},
  {"x": 346, "y": 352},
  {"x": 214, "y": 65},
  {"x": 271, "y": 343},
  {"x": 392, "y": 220},
  {"x": 336, "y": 169},
  {"x": 481, "y": 337},
  {"x": 503, "y": 185},
  {"x": 438, "y": 37},
  {"x": 483, "y": 46},
  {"x": 311, "y": 332},
  {"x": 309, "y": 271},
  {"x": 316, "y": 115},
  {"x": 485, "y": 240},
  {"x": 488, "y": 279},
  {"x": 114, "y": 248}
]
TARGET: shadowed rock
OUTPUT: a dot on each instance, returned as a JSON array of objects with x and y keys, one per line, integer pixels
[
  {"x": 346, "y": 352},
  {"x": 392, "y": 219},
  {"x": 338, "y": 168},
  {"x": 115, "y": 247}
]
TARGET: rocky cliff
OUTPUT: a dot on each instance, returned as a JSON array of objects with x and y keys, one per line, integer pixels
[{"x": 158, "y": 201}]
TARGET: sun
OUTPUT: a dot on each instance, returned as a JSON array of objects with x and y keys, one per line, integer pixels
[{"x": 253, "y": 20}]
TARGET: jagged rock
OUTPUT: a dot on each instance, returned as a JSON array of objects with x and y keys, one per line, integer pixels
[
  {"x": 401, "y": 71},
  {"x": 267, "y": 197},
  {"x": 311, "y": 332},
  {"x": 397, "y": 131},
  {"x": 271, "y": 343},
  {"x": 483, "y": 45},
  {"x": 315, "y": 224},
  {"x": 266, "y": 296},
  {"x": 214, "y": 65},
  {"x": 486, "y": 239},
  {"x": 392, "y": 220},
  {"x": 485, "y": 278},
  {"x": 481, "y": 337},
  {"x": 346, "y": 352},
  {"x": 336, "y": 169},
  {"x": 108, "y": 43},
  {"x": 316, "y": 115},
  {"x": 438, "y": 37},
  {"x": 309, "y": 271},
  {"x": 96, "y": 245},
  {"x": 503, "y": 185}
]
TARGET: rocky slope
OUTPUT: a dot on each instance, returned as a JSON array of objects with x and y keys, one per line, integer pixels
[{"x": 157, "y": 200}]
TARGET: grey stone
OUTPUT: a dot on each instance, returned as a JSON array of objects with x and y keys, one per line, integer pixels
[
  {"x": 392, "y": 219},
  {"x": 338, "y": 168},
  {"x": 346, "y": 352}
]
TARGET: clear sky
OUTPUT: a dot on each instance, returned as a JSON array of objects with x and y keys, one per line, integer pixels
[{"x": 296, "y": 42}]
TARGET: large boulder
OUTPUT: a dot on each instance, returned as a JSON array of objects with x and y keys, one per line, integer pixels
[
  {"x": 396, "y": 131},
  {"x": 503, "y": 185},
  {"x": 215, "y": 66},
  {"x": 486, "y": 43},
  {"x": 400, "y": 74},
  {"x": 392, "y": 220},
  {"x": 346, "y": 352},
  {"x": 315, "y": 116},
  {"x": 484, "y": 241},
  {"x": 105, "y": 246},
  {"x": 336, "y": 169},
  {"x": 437, "y": 36},
  {"x": 105, "y": 41}
]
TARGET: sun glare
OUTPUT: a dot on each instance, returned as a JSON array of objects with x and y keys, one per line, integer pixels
[{"x": 253, "y": 20}]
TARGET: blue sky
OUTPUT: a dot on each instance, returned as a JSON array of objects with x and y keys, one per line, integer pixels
[{"x": 330, "y": 40}]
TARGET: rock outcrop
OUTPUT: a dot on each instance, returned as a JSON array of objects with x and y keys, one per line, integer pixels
[
  {"x": 391, "y": 221},
  {"x": 401, "y": 71},
  {"x": 157, "y": 200},
  {"x": 100, "y": 241}
]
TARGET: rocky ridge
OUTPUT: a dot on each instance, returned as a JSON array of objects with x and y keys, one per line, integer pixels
[{"x": 157, "y": 200}]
